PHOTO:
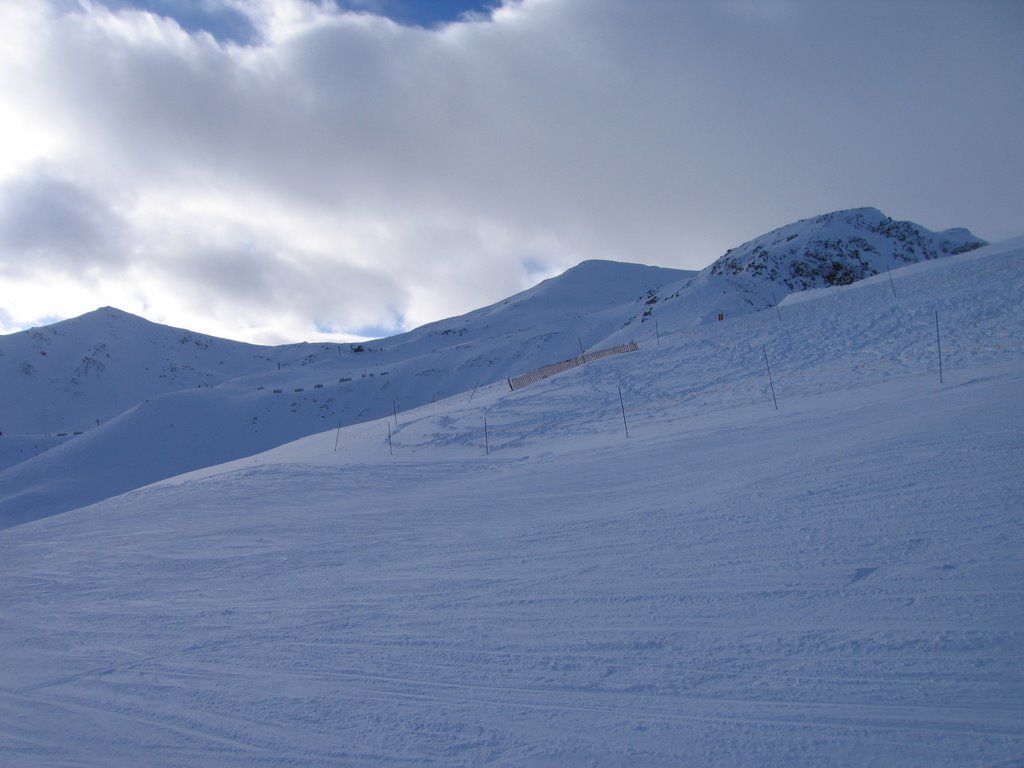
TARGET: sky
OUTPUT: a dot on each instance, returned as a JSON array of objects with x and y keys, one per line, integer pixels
[{"x": 287, "y": 170}]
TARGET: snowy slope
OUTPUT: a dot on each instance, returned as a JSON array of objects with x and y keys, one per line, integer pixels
[
  {"x": 834, "y": 582},
  {"x": 153, "y": 401},
  {"x": 833, "y": 249}
]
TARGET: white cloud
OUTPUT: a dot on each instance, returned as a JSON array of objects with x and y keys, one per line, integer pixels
[{"x": 346, "y": 172}]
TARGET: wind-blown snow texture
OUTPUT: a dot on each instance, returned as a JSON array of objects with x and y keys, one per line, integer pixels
[{"x": 836, "y": 582}]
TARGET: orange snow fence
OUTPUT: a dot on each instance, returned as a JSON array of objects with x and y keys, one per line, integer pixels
[{"x": 518, "y": 382}]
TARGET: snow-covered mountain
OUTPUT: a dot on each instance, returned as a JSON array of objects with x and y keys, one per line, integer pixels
[
  {"x": 107, "y": 402},
  {"x": 834, "y": 249},
  {"x": 840, "y": 248},
  {"x": 834, "y": 581},
  {"x": 67, "y": 376}
]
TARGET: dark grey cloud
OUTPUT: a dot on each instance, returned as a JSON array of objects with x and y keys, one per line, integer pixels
[
  {"x": 442, "y": 168},
  {"x": 55, "y": 224}
]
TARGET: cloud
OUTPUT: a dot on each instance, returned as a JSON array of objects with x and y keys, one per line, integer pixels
[
  {"x": 56, "y": 224},
  {"x": 325, "y": 169}
]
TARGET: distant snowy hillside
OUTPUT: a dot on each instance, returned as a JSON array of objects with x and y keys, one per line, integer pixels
[
  {"x": 508, "y": 579},
  {"x": 834, "y": 249},
  {"x": 69, "y": 375},
  {"x": 151, "y": 401},
  {"x": 73, "y": 377}
]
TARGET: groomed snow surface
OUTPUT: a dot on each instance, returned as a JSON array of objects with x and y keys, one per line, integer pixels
[{"x": 835, "y": 582}]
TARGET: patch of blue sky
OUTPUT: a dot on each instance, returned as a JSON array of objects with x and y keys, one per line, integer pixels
[
  {"x": 225, "y": 23},
  {"x": 425, "y": 13},
  {"x": 7, "y": 320},
  {"x": 371, "y": 331},
  {"x": 229, "y": 24},
  {"x": 535, "y": 267}
]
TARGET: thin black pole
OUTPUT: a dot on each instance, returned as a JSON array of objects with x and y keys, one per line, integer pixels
[
  {"x": 892, "y": 283},
  {"x": 776, "y": 301},
  {"x": 394, "y": 406},
  {"x": 474, "y": 388},
  {"x": 487, "y": 445},
  {"x": 337, "y": 437},
  {"x": 623, "y": 407},
  {"x": 938, "y": 343},
  {"x": 580, "y": 342},
  {"x": 657, "y": 333},
  {"x": 770, "y": 383},
  {"x": 390, "y": 451}
]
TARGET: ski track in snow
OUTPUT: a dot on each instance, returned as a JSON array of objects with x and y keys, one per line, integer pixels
[{"x": 836, "y": 582}]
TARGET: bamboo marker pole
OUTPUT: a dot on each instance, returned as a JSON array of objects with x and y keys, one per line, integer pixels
[
  {"x": 770, "y": 382},
  {"x": 623, "y": 407}
]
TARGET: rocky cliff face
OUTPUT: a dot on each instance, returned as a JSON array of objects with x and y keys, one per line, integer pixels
[{"x": 839, "y": 248}]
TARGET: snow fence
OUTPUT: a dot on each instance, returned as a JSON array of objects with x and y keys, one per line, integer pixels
[{"x": 522, "y": 380}]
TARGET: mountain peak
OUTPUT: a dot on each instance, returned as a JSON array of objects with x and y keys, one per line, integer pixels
[
  {"x": 839, "y": 248},
  {"x": 102, "y": 316},
  {"x": 830, "y": 249}
]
